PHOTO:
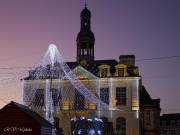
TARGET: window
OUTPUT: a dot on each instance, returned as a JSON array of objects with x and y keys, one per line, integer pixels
[
  {"x": 56, "y": 96},
  {"x": 148, "y": 118},
  {"x": 92, "y": 106},
  {"x": 79, "y": 101},
  {"x": 120, "y": 126},
  {"x": 66, "y": 105},
  {"x": 104, "y": 95},
  {"x": 104, "y": 72},
  {"x": 163, "y": 123},
  {"x": 85, "y": 51},
  {"x": 39, "y": 97},
  {"x": 120, "y": 72},
  {"x": 120, "y": 96},
  {"x": 81, "y": 52},
  {"x": 178, "y": 123},
  {"x": 172, "y": 123}
]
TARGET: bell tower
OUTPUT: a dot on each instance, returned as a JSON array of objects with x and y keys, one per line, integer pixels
[{"x": 85, "y": 39}]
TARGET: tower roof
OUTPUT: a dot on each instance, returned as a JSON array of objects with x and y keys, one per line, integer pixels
[
  {"x": 85, "y": 36},
  {"x": 85, "y": 12},
  {"x": 85, "y": 33}
]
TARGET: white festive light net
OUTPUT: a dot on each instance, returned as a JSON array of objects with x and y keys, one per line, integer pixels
[{"x": 53, "y": 87}]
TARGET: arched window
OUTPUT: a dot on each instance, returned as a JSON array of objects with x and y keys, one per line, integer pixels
[{"x": 121, "y": 126}]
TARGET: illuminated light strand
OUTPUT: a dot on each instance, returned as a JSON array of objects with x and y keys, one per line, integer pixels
[
  {"x": 70, "y": 75},
  {"x": 52, "y": 57}
]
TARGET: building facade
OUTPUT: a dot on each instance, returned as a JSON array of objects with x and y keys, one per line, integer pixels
[
  {"x": 150, "y": 113},
  {"x": 116, "y": 83},
  {"x": 170, "y": 124}
]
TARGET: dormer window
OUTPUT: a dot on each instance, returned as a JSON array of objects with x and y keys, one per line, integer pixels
[
  {"x": 104, "y": 71},
  {"x": 121, "y": 70}
]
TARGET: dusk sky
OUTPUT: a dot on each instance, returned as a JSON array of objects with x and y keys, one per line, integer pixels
[{"x": 149, "y": 29}]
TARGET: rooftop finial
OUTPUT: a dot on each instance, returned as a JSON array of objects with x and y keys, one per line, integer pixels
[{"x": 85, "y": 3}]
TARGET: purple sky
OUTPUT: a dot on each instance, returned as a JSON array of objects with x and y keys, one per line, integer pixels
[{"x": 145, "y": 28}]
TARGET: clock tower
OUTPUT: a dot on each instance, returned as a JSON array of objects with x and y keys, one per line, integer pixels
[{"x": 85, "y": 39}]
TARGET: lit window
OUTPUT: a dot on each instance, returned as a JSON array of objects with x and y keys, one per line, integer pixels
[
  {"x": 104, "y": 95},
  {"x": 66, "y": 105},
  {"x": 121, "y": 96},
  {"x": 121, "y": 126},
  {"x": 92, "y": 106}
]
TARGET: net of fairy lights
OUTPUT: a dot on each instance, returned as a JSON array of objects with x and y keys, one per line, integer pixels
[{"x": 52, "y": 86}]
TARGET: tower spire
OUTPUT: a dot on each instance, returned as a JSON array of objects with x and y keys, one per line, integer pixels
[
  {"x": 85, "y": 39},
  {"x": 85, "y": 3}
]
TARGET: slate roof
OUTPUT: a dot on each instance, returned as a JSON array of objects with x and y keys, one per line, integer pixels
[
  {"x": 31, "y": 113},
  {"x": 171, "y": 116},
  {"x": 146, "y": 100},
  {"x": 79, "y": 71},
  {"x": 93, "y": 67},
  {"x": 72, "y": 64}
]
